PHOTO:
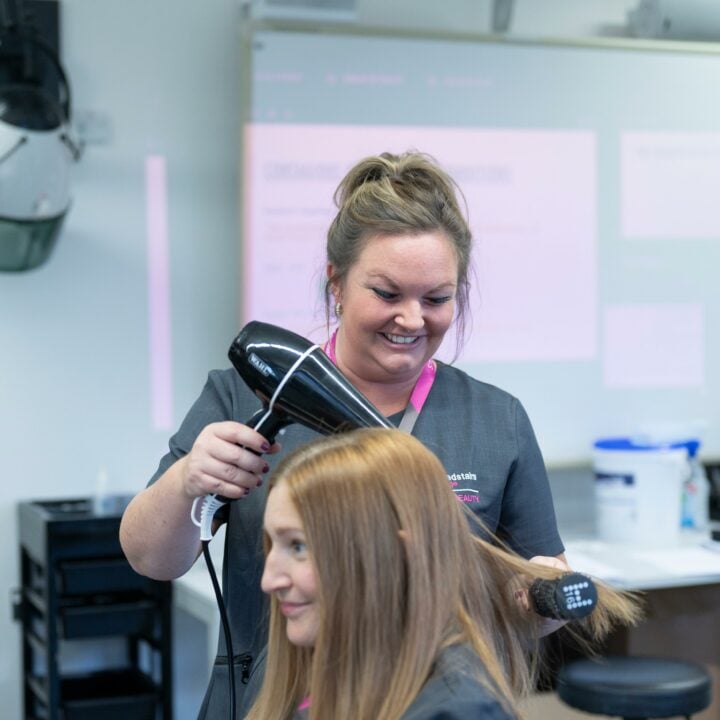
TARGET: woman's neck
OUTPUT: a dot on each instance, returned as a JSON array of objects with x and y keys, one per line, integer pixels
[{"x": 388, "y": 398}]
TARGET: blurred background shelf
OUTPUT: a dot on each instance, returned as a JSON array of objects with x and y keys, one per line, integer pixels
[{"x": 76, "y": 587}]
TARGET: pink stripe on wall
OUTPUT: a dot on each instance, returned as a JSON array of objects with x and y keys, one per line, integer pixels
[{"x": 159, "y": 326}]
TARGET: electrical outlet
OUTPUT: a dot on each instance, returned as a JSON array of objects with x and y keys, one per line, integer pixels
[{"x": 93, "y": 127}]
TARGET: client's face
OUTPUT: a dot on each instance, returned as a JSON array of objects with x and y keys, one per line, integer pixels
[{"x": 289, "y": 571}]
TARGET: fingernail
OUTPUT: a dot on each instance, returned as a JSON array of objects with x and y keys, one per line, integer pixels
[
  {"x": 259, "y": 482},
  {"x": 265, "y": 446},
  {"x": 266, "y": 468}
]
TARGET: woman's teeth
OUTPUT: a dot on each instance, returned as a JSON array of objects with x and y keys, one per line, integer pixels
[{"x": 400, "y": 339}]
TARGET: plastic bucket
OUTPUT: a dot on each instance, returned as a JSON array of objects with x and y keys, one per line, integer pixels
[{"x": 638, "y": 491}]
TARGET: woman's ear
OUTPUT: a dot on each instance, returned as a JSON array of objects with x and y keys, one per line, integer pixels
[{"x": 334, "y": 285}]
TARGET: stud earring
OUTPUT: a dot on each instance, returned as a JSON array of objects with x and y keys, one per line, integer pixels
[{"x": 338, "y": 309}]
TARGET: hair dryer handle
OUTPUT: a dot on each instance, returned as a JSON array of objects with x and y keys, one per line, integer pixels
[{"x": 268, "y": 423}]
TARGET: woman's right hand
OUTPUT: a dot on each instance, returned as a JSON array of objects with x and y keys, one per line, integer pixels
[{"x": 226, "y": 459}]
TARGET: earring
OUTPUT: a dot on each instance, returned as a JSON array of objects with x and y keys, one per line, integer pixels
[{"x": 338, "y": 309}]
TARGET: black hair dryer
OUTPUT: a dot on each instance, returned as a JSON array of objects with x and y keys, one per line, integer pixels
[{"x": 297, "y": 383}]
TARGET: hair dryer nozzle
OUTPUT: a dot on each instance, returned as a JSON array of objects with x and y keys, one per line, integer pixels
[{"x": 312, "y": 391}]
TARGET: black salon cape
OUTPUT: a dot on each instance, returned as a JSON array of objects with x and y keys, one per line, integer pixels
[{"x": 452, "y": 692}]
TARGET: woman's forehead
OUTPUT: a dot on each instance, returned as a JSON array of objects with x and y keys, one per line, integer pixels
[{"x": 280, "y": 512}]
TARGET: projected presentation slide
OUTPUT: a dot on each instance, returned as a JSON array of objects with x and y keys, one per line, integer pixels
[
  {"x": 590, "y": 176},
  {"x": 670, "y": 184},
  {"x": 530, "y": 242}
]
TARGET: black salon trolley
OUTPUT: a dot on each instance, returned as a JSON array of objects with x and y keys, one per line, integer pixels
[{"x": 77, "y": 590}]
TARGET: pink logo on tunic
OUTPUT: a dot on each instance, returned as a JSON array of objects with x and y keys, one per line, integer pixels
[{"x": 460, "y": 484}]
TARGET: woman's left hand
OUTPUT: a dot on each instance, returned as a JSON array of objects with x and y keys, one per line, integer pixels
[
  {"x": 554, "y": 562},
  {"x": 559, "y": 563},
  {"x": 548, "y": 625}
]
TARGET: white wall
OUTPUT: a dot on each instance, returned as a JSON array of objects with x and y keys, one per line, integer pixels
[
  {"x": 74, "y": 374},
  {"x": 530, "y": 18}
]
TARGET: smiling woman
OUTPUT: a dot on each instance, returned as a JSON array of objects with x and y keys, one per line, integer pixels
[
  {"x": 398, "y": 266},
  {"x": 384, "y": 604},
  {"x": 398, "y": 301},
  {"x": 289, "y": 573}
]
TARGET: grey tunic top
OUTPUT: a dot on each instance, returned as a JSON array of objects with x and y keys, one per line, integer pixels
[{"x": 481, "y": 434}]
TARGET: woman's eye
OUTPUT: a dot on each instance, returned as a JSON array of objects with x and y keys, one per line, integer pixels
[
  {"x": 384, "y": 294},
  {"x": 298, "y": 547},
  {"x": 439, "y": 300}
]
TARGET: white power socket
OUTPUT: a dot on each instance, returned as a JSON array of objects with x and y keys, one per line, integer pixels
[{"x": 93, "y": 127}]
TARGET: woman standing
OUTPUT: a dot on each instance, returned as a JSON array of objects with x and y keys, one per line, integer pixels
[{"x": 398, "y": 264}]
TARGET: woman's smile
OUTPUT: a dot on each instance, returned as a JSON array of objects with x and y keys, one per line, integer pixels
[
  {"x": 401, "y": 339},
  {"x": 398, "y": 301},
  {"x": 293, "y": 609}
]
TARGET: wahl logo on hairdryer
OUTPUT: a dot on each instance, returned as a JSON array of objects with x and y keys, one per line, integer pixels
[{"x": 259, "y": 365}]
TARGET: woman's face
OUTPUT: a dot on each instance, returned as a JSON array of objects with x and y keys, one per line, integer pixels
[
  {"x": 398, "y": 301},
  {"x": 289, "y": 571}
]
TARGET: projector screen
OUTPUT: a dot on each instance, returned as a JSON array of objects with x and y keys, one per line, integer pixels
[{"x": 591, "y": 176}]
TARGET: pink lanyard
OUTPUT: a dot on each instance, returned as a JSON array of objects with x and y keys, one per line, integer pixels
[{"x": 418, "y": 395}]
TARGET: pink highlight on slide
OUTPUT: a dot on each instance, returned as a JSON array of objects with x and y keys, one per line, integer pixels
[
  {"x": 535, "y": 295},
  {"x": 159, "y": 325}
]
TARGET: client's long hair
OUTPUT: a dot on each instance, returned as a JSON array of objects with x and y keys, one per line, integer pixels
[{"x": 400, "y": 576}]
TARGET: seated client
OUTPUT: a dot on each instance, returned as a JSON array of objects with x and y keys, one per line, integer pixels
[{"x": 384, "y": 602}]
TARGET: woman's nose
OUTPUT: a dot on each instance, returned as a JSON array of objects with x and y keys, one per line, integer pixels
[
  {"x": 273, "y": 577},
  {"x": 410, "y": 315}
]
